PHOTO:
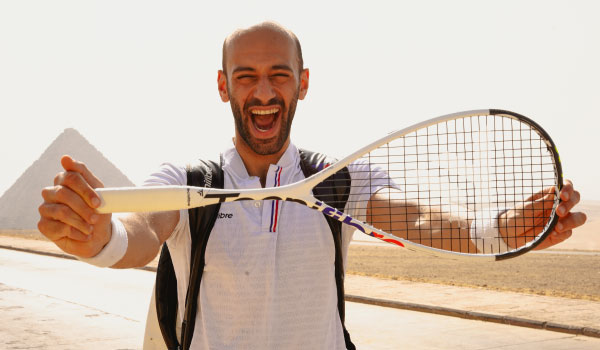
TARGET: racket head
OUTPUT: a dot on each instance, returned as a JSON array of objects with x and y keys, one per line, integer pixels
[
  {"x": 480, "y": 160},
  {"x": 553, "y": 152}
]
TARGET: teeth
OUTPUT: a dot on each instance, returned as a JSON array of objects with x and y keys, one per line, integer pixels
[{"x": 263, "y": 112}]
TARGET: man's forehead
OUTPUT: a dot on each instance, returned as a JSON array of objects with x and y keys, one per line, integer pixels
[
  {"x": 260, "y": 44},
  {"x": 265, "y": 32}
]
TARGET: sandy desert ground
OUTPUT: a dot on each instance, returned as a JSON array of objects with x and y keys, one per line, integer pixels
[{"x": 570, "y": 269}]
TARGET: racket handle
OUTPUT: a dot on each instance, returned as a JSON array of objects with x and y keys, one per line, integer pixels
[{"x": 142, "y": 199}]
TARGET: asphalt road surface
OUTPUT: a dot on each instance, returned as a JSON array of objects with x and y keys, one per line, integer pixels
[{"x": 53, "y": 303}]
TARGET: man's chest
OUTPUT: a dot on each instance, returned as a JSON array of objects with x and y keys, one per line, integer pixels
[
  {"x": 256, "y": 236},
  {"x": 259, "y": 235}
]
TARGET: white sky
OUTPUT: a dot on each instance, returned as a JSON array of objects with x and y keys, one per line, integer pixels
[{"x": 138, "y": 78}]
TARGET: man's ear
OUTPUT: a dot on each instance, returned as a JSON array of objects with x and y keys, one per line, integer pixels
[
  {"x": 222, "y": 86},
  {"x": 303, "y": 84}
]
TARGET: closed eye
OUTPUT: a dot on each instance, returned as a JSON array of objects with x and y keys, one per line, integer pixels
[
  {"x": 244, "y": 77},
  {"x": 280, "y": 77}
]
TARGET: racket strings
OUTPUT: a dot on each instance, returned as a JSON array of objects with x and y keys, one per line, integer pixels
[{"x": 439, "y": 184}]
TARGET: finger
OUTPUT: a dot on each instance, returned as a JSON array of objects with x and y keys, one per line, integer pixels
[
  {"x": 520, "y": 221},
  {"x": 78, "y": 248},
  {"x": 554, "y": 238},
  {"x": 58, "y": 178},
  {"x": 539, "y": 208},
  {"x": 565, "y": 206},
  {"x": 56, "y": 230},
  {"x": 523, "y": 238},
  {"x": 49, "y": 228},
  {"x": 542, "y": 204},
  {"x": 566, "y": 190},
  {"x": 64, "y": 214},
  {"x": 77, "y": 183},
  {"x": 542, "y": 193},
  {"x": 64, "y": 195},
  {"x": 570, "y": 222},
  {"x": 69, "y": 164},
  {"x": 74, "y": 247},
  {"x": 77, "y": 235}
]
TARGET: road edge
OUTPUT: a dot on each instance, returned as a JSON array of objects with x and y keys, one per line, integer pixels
[{"x": 438, "y": 310}]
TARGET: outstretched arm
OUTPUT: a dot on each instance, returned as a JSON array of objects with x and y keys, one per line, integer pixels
[
  {"x": 448, "y": 227},
  {"x": 520, "y": 224},
  {"x": 68, "y": 218},
  {"x": 444, "y": 228}
]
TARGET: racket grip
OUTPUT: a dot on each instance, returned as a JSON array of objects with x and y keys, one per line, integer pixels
[{"x": 142, "y": 199}]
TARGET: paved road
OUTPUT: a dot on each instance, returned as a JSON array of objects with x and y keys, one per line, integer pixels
[{"x": 52, "y": 303}]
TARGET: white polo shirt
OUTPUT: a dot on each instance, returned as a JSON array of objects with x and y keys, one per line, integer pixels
[{"x": 269, "y": 278}]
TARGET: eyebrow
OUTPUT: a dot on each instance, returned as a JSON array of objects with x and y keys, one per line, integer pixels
[
  {"x": 282, "y": 67},
  {"x": 250, "y": 69},
  {"x": 243, "y": 69}
]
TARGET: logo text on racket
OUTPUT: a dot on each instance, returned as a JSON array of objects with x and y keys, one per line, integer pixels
[{"x": 336, "y": 214}]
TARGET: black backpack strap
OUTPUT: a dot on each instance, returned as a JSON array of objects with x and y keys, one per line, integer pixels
[
  {"x": 166, "y": 298},
  {"x": 334, "y": 191},
  {"x": 201, "y": 220}
]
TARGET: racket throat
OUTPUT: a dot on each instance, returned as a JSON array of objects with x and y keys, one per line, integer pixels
[
  {"x": 340, "y": 216},
  {"x": 348, "y": 220}
]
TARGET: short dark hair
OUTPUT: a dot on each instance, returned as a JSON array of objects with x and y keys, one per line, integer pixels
[{"x": 270, "y": 25}]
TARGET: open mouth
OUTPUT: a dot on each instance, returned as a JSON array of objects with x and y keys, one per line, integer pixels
[{"x": 264, "y": 120}]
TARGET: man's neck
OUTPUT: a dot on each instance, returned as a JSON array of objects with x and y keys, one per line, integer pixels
[{"x": 257, "y": 164}]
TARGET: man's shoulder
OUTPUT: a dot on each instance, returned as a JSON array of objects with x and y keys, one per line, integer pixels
[
  {"x": 205, "y": 173},
  {"x": 167, "y": 174},
  {"x": 316, "y": 161}
]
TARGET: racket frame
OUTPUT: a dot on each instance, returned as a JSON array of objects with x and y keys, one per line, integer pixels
[{"x": 165, "y": 198}]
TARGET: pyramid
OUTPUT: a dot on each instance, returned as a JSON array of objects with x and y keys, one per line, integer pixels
[{"x": 19, "y": 204}]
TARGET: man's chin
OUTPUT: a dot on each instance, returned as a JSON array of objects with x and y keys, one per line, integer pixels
[
  {"x": 266, "y": 150},
  {"x": 265, "y": 147}
]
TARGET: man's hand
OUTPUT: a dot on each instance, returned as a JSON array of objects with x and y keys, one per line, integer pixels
[
  {"x": 522, "y": 223},
  {"x": 68, "y": 216}
]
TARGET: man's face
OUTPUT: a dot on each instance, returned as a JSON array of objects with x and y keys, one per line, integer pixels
[{"x": 263, "y": 85}]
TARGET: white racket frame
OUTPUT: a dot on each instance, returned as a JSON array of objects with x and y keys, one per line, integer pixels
[{"x": 167, "y": 198}]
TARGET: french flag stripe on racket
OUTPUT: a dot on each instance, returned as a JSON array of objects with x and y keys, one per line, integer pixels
[{"x": 275, "y": 204}]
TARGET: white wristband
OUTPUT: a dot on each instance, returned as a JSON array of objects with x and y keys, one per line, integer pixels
[
  {"x": 114, "y": 250},
  {"x": 485, "y": 234}
]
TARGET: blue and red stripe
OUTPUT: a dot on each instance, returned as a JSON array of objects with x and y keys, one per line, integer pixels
[{"x": 275, "y": 203}]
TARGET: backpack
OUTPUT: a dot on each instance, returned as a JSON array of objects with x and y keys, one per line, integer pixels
[{"x": 334, "y": 191}]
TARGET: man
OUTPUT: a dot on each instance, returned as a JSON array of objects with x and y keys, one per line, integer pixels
[{"x": 264, "y": 286}]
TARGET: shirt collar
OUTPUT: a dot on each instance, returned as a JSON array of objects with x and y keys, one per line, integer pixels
[{"x": 232, "y": 161}]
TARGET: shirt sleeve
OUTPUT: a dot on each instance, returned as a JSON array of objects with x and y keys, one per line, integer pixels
[
  {"x": 167, "y": 174},
  {"x": 366, "y": 180}
]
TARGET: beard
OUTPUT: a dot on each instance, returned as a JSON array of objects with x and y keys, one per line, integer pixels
[{"x": 243, "y": 121}]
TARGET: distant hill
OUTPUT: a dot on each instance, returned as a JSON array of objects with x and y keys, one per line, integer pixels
[{"x": 19, "y": 204}]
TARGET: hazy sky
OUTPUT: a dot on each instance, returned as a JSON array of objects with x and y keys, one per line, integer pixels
[{"x": 138, "y": 78}]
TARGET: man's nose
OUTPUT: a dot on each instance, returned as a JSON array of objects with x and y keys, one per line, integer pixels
[{"x": 264, "y": 90}]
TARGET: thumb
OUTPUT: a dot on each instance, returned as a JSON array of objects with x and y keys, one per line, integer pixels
[{"x": 70, "y": 164}]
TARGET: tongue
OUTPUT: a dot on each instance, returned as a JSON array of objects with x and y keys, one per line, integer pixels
[{"x": 264, "y": 122}]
